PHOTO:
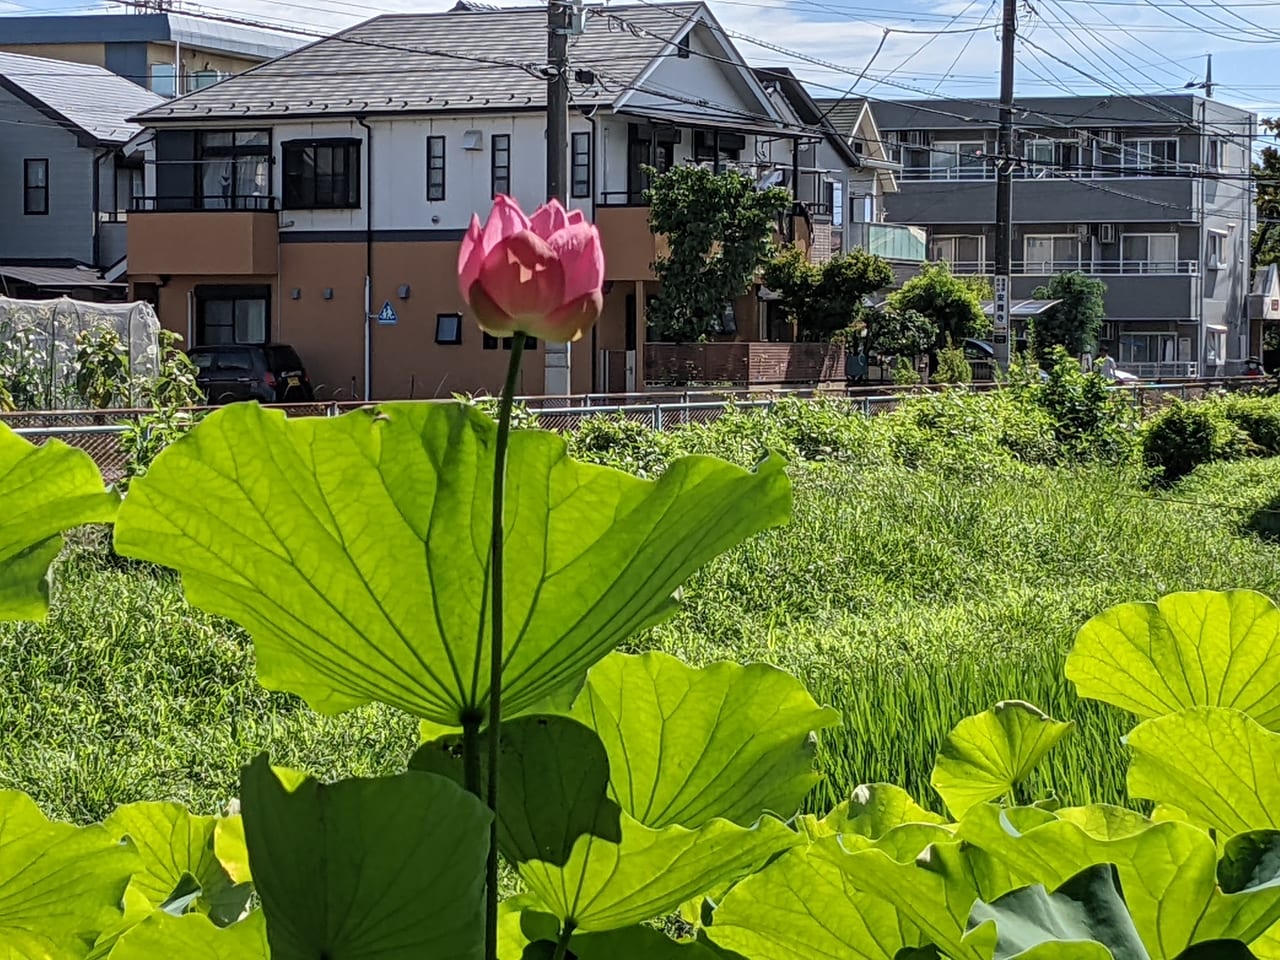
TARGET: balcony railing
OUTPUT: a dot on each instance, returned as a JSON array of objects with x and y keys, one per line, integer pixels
[
  {"x": 893, "y": 241},
  {"x": 190, "y": 204},
  {"x": 1031, "y": 171},
  {"x": 1095, "y": 268},
  {"x": 1169, "y": 370}
]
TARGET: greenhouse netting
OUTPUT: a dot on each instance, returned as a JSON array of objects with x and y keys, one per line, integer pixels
[{"x": 38, "y": 347}]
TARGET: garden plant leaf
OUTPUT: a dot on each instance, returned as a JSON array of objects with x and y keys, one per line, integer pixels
[
  {"x": 1207, "y": 648},
  {"x": 803, "y": 906},
  {"x": 46, "y": 490},
  {"x": 872, "y": 811},
  {"x": 194, "y": 937},
  {"x": 1215, "y": 764},
  {"x": 987, "y": 754},
  {"x": 61, "y": 885},
  {"x": 1166, "y": 870},
  {"x": 555, "y": 785},
  {"x": 355, "y": 549},
  {"x": 1085, "y": 918},
  {"x": 689, "y": 744},
  {"x": 173, "y": 843},
  {"x": 391, "y": 867},
  {"x": 606, "y": 886}
]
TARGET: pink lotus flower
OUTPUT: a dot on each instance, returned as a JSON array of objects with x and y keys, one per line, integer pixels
[{"x": 539, "y": 275}]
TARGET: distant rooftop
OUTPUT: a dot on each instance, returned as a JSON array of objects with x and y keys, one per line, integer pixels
[
  {"x": 226, "y": 38},
  {"x": 90, "y": 101}
]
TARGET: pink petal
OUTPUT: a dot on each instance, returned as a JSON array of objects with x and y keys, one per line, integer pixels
[
  {"x": 523, "y": 277},
  {"x": 470, "y": 256},
  {"x": 571, "y": 321},
  {"x": 488, "y": 314},
  {"x": 548, "y": 218},
  {"x": 506, "y": 218},
  {"x": 576, "y": 216},
  {"x": 581, "y": 258}
]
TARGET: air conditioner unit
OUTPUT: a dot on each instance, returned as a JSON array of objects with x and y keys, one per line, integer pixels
[{"x": 1107, "y": 233}]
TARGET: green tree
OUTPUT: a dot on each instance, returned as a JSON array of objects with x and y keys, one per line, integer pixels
[
  {"x": 1073, "y": 323},
  {"x": 1266, "y": 238},
  {"x": 950, "y": 302},
  {"x": 952, "y": 365},
  {"x": 897, "y": 333},
  {"x": 825, "y": 299},
  {"x": 719, "y": 230}
]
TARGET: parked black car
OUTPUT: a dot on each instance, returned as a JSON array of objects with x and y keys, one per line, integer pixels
[{"x": 269, "y": 373}]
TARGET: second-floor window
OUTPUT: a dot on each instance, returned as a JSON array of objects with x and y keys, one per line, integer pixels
[
  {"x": 965, "y": 253},
  {"x": 35, "y": 187},
  {"x": 962, "y": 160},
  {"x": 162, "y": 79},
  {"x": 234, "y": 169},
  {"x": 1149, "y": 253},
  {"x": 321, "y": 174},
  {"x": 1150, "y": 156},
  {"x": 1217, "y": 257},
  {"x": 1052, "y": 253},
  {"x": 1215, "y": 156},
  {"x": 435, "y": 168},
  {"x": 580, "y": 165},
  {"x": 500, "y": 169}
]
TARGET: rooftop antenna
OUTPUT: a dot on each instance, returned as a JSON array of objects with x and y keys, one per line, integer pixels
[{"x": 1207, "y": 84}]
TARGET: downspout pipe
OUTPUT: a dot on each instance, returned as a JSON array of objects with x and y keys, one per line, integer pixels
[{"x": 368, "y": 257}]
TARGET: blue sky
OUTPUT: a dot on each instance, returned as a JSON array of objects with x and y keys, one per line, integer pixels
[{"x": 1077, "y": 46}]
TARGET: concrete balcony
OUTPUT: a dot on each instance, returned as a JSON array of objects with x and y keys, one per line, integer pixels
[
  {"x": 203, "y": 242},
  {"x": 893, "y": 241},
  {"x": 1062, "y": 200}
]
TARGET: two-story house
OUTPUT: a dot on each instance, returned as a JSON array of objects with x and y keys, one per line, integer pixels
[
  {"x": 842, "y": 173},
  {"x": 168, "y": 53},
  {"x": 1151, "y": 194},
  {"x": 319, "y": 199},
  {"x": 65, "y": 184}
]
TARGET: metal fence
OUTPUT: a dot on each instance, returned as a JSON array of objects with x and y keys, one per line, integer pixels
[{"x": 98, "y": 432}]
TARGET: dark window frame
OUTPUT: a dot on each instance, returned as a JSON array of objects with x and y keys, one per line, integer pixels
[
  {"x": 42, "y": 190},
  {"x": 490, "y": 342},
  {"x": 233, "y": 153},
  {"x": 435, "y": 190},
  {"x": 580, "y": 163},
  {"x": 295, "y": 183},
  {"x": 500, "y": 182},
  {"x": 456, "y": 339},
  {"x": 221, "y": 293}
]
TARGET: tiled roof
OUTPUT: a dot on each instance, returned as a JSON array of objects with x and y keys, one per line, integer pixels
[
  {"x": 90, "y": 99},
  {"x": 843, "y": 113},
  {"x": 462, "y": 59}
]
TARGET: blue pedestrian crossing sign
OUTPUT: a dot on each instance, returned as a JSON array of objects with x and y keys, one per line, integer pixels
[{"x": 387, "y": 314}]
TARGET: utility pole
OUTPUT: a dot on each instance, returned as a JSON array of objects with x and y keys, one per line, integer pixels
[
  {"x": 557, "y": 377},
  {"x": 1004, "y": 189}
]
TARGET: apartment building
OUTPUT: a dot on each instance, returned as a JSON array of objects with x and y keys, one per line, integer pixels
[
  {"x": 67, "y": 182},
  {"x": 168, "y": 53},
  {"x": 1149, "y": 194},
  {"x": 319, "y": 199}
]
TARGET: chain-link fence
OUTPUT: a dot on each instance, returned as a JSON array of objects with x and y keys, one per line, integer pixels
[{"x": 98, "y": 432}]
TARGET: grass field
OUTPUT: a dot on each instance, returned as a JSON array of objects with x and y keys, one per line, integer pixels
[{"x": 905, "y": 598}]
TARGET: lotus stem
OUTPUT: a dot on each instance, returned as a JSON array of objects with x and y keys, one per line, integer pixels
[
  {"x": 562, "y": 945},
  {"x": 496, "y": 648}
]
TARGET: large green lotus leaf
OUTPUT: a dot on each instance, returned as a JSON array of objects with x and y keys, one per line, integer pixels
[
  {"x": 1216, "y": 764},
  {"x": 933, "y": 892},
  {"x": 526, "y": 933},
  {"x": 231, "y": 850},
  {"x": 986, "y": 754},
  {"x": 606, "y": 886},
  {"x": 1203, "y": 649},
  {"x": 173, "y": 843},
  {"x": 803, "y": 906},
  {"x": 1084, "y": 918},
  {"x": 689, "y": 744},
  {"x": 391, "y": 868},
  {"x": 555, "y": 785},
  {"x": 136, "y": 909},
  {"x": 45, "y": 489},
  {"x": 194, "y": 937},
  {"x": 355, "y": 549},
  {"x": 61, "y": 886},
  {"x": 872, "y": 810},
  {"x": 1167, "y": 871}
]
